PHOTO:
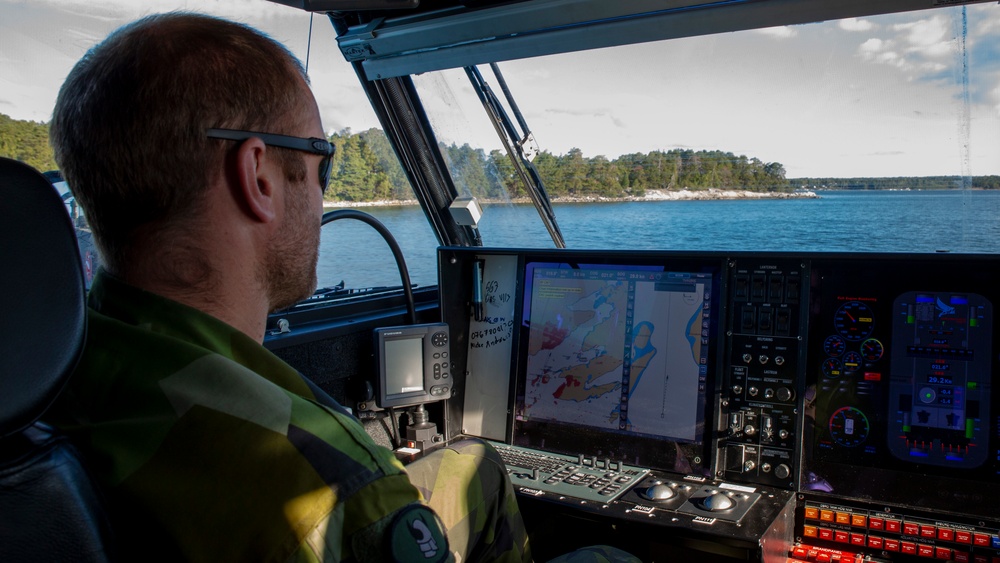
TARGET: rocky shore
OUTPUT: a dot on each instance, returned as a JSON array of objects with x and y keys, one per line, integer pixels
[{"x": 651, "y": 195}]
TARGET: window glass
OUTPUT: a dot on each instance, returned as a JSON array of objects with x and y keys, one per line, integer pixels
[
  {"x": 41, "y": 41},
  {"x": 864, "y": 134}
]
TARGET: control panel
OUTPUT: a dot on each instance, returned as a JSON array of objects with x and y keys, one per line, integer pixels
[
  {"x": 758, "y": 416},
  {"x": 822, "y": 407},
  {"x": 842, "y": 531}
]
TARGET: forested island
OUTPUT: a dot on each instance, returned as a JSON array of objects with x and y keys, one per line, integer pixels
[{"x": 366, "y": 170}]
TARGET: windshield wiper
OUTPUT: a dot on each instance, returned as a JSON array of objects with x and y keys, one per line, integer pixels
[{"x": 520, "y": 148}]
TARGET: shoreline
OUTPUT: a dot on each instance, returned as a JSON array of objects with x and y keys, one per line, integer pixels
[{"x": 710, "y": 194}]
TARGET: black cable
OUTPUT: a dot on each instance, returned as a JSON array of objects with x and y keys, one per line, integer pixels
[{"x": 404, "y": 275}]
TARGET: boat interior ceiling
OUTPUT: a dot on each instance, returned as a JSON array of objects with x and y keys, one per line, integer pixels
[
  {"x": 724, "y": 406},
  {"x": 435, "y": 36}
]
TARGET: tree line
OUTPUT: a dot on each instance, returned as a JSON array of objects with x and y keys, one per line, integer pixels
[
  {"x": 365, "y": 168},
  {"x": 901, "y": 183}
]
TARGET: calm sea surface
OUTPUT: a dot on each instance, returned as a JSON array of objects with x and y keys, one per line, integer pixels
[{"x": 956, "y": 221}]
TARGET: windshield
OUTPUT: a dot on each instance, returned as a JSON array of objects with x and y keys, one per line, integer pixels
[{"x": 871, "y": 134}]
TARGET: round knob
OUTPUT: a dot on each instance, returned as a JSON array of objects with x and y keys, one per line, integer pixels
[
  {"x": 782, "y": 471},
  {"x": 753, "y": 391},
  {"x": 779, "y": 360},
  {"x": 783, "y": 434},
  {"x": 785, "y": 394},
  {"x": 763, "y": 359},
  {"x": 749, "y": 465},
  {"x": 749, "y": 430}
]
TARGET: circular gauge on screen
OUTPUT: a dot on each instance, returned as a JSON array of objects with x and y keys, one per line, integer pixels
[
  {"x": 854, "y": 321},
  {"x": 849, "y": 427},
  {"x": 852, "y": 362},
  {"x": 832, "y": 367},
  {"x": 834, "y": 345},
  {"x": 872, "y": 350}
]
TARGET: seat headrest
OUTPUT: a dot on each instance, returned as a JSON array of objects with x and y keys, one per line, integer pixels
[{"x": 42, "y": 302}]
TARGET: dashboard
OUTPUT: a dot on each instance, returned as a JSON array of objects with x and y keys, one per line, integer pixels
[{"x": 807, "y": 407}]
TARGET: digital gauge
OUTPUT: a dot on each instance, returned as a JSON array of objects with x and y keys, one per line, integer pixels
[
  {"x": 854, "y": 321},
  {"x": 832, "y": 367},
  {"x": 834, "y": 345},
  {"x": 851, "y": 361},
  {"x": 849, "y": 427},
  {"x": 872, "y": 350}
]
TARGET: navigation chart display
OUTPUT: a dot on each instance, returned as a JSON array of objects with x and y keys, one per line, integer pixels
[{"x": 620, "y": 350}]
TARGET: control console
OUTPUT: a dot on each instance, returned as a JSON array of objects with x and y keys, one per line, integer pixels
[{"x": 761, "y": 382}]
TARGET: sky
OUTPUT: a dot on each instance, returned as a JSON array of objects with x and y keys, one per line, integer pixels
[{"x": 862, "y": 97}]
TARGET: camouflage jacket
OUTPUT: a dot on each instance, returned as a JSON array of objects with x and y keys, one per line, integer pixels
[{"x": 210, "y": 448}]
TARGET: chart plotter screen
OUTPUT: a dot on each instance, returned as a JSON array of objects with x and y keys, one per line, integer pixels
[{"x": 615, "y": 361}]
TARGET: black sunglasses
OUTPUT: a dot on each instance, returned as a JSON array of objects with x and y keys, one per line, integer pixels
[{"x": 310, "y": 145}]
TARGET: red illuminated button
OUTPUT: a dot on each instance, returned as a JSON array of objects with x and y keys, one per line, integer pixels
[
  {"x": 928, "y": 532},
  {"x": 942, "y": 553},
  {"x": 859, "y": 520},
  {"x": 925, "y": 550},
  {"x": 799, "y": 552},
  {"x": 875, "y": 542},
  {"x": 961, "y": 557},
  {"x": 876, "y": 523},
  {"x": 980, "y": 559},
  {"x": 823, "y": 558},
  {"x": 810, "y": 531},
  {"x": 911, "y": 529},
  {"x": 946, "y": 534},
  {"x": 825, "y": 534},
  {"x": 892, "y": 526},
  {"x": 826, "y": 515},
  {"x": 980, "y": 539},
  {"x": 909, "y": 548},
  {"x": 891, "y": 545},
  {"x": 812, "y": 513},
  {"x": 962, "y": 536},
  {"x": 841, "y": 537},
  {"x": 858, "y": 539}
]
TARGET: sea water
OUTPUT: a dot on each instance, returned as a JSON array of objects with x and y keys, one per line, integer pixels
[{"x": 961, "y": 221}]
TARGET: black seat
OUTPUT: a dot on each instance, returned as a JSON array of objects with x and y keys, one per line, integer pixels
[{"x": 49, "y": 507}]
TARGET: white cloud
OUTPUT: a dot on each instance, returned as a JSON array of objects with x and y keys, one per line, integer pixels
[
  {"x": 928, "y": 37},
  {"x": 783, "y": 32},
  {"x": 872, "y": 46},
  {"x": 856, "y": 24}
]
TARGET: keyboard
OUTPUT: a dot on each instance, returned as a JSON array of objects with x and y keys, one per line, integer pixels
[{"x": 533, "y": 471}]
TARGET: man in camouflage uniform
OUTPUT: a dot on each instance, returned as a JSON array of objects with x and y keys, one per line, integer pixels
[{"x": 211, "y": 448}]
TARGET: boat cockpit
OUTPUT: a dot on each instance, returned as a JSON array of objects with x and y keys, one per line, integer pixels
[{"x": 738, "y": 402}]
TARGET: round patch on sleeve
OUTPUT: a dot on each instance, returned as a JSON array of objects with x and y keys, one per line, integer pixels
[{"x": 416, "y": 535}]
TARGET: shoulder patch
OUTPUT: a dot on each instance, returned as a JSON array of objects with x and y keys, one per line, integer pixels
[{"x": 416, "y": 535}]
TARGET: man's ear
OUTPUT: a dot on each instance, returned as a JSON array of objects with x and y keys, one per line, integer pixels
[{"x": 256, "y": 180}]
